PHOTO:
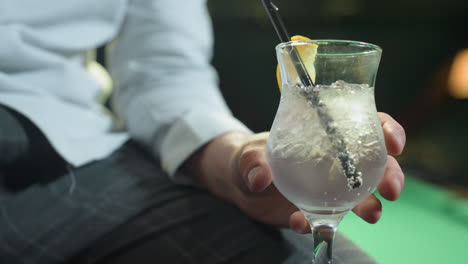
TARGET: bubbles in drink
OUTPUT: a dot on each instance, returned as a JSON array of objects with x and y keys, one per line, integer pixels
[{"x": 303, "y": 156}]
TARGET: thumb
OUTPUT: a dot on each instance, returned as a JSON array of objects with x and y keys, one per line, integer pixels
[{"x": 255, "y": 170}]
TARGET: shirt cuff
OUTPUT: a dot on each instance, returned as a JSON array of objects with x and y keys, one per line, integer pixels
[{"x": 191, "y": 131}]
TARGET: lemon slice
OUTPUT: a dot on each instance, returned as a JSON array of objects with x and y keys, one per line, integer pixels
[{"x": 307, "y": 54}]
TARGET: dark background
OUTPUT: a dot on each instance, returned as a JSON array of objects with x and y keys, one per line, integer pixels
[{"x": 419, "y": 39}]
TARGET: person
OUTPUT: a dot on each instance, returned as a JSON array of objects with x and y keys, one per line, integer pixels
[{"x": 182, "y": 181}]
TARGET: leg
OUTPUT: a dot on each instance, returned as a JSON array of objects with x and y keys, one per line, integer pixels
[
  {"x": 194, "y": 227},
  {"x": 51, "y": 222}
]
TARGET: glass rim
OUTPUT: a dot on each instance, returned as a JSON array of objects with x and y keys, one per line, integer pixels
[{"x": 373, "y": 48}]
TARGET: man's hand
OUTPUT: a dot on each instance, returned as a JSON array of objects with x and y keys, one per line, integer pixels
[{"x": 234, "y": 167}]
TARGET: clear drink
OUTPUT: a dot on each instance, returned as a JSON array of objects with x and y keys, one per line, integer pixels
[
  {"x": 326, "y": 146},
  {"x": 303, "y": 159}
]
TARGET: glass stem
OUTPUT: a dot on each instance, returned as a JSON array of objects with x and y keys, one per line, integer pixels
[
  {"x": 323, "y": 243},
  {"x": 324, "y": 226}
]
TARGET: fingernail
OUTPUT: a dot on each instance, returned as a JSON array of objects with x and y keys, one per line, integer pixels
[
  {"x": 252, "y": 174},
  {"x": 377, "y": 217},
  {"x": 298, "y": 230},
  {"x": 397, "y": 183},
  {"x": 402, "y": 137},
  {"x": 399, "y": 187}
]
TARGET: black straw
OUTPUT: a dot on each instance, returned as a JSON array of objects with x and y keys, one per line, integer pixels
[
  {"x": 275, "y": 18},
  {"x": 278, "y": 24}
]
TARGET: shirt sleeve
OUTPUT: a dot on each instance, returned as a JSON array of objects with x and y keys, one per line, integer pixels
[{"x": 166, "y": 89}]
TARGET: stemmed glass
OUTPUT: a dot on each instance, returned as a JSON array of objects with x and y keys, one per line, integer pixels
[{"x": 326, "y": 146}]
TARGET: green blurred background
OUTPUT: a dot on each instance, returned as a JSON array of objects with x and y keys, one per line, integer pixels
[{"x": 422, "y": 82}]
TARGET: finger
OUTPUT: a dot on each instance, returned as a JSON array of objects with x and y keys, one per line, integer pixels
[
  {"x": 395, "y": 137},
  {"x": 369, "y": 210},
  {"x": 393, "y": 180},
  {"x": 299, "y": 223},
  {"x": 254, "y": 169}
]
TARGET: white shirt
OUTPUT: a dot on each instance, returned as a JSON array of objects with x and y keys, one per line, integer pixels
[{"x": 165, "y": 89}]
